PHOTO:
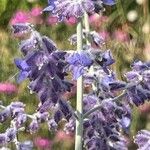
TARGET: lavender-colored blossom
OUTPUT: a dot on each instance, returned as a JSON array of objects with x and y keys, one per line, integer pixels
[
  {"x": 58, "y": 116},
  {"x": 52, "y": 125},
  {"x": 42, "y": 117},
  {"x": 109, "y": 2},
  {"x": 21, "y": 29},
  {"x": 70, "y": 126},
  {"x": 69, "y": 8},
  {"x": 20, "y": 119},
  {"x": 5, "y": 114},
  {"x": 26, "y": 145},
  {"x": 79, "y": 58},
  {"x": 65, "y": 109},
  {"x": 142, "y": 139},
  {"x": 34, "y": 126},
  {"x": 3, "y": 139},
  {"x": 10, "y": 134}
]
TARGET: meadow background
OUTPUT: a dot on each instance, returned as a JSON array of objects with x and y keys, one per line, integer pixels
[{"x": 126, "y": 30}]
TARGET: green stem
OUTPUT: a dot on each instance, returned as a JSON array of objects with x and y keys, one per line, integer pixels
[{"x": 79, "y": 104}]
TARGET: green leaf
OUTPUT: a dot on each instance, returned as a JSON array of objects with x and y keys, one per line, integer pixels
[{"x": 3, "y": 5}]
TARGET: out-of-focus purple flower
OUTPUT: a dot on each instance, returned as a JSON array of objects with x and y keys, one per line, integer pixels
[
  {"x": 34, "y": 126},
  {"x": 26, "y": 145},
  {"x": 3, "y": 139},
  {"x": 42, "y": 117},
  {"x": 20, "y": 119},
  {"x": 142, "y": 140},
  {"x": 96, "y": 39},
  {"x": 5, "y": 114},
  {"x": 70, "y": 126},
  {"x": 52, "y": 125},
  {"x": 51, "y": 5},
  {"x": 16, "y": 108},
  {"x": 109, "y": 2},
  {"x": 65, "y": 109},
  {"x": 67, "y": 9},
  {"x": 7, "y": 88},
  {"x": 43, "y": 143},
  {"x": 58, "y": 116},
  {"x": 10, "y": 134},
  {"x": 20, "y": 30}
]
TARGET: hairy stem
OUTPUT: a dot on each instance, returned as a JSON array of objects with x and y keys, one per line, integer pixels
[{"x": 79, "y": 104}]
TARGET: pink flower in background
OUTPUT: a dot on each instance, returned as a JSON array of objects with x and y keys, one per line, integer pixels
[
  {"x": 51, "y": 20},
  {"x": 7, "y": 88},
  {"x": 121, "y": 35},
  {"x": 43, "y": 143},
  {"x": 71, "y": 21},
  {"x": 35, "y": 16},
  {"x": 20, "y": 17},
  {"x": 62, "y": 136},
  {"x": 97, "y": 20},
  {"x": 104, "y": 34},
  {"x": 36, "y": 11}
]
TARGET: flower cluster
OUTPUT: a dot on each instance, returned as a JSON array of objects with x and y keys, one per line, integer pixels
[
  {"x": 142, "y": 139},
  {"x": 75, "y": 8},
  {"x": 46, "y": 67}
]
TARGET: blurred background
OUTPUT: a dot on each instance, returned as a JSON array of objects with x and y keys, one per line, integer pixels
[{"x": 125, "y": 28}]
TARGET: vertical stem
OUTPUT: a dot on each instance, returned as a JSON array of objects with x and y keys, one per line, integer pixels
[{"x": 79, "y": 105}]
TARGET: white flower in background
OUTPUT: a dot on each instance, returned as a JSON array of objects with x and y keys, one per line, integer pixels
[
  {"x": 132, "y": 15},
  {"x": 140, "y": 2},
  {"x": 146, "y": 28}
]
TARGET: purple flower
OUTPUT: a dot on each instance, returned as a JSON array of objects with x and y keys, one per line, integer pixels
[
  {"x": 26, "y": 145},
  {"x": 58, "y": 116},
  {"x": 51, "y": 5},
  {"x": 65, "y": 109},
  {"x": 34, "y": 126},
  {"x": 5, "y": 114},
  {"x": 10, "y": 134},
  {"x": 52, "y": 125},
  {"x": 21, "y": 29},
  {"x": 20, "y": 119},
  {"x": 68, "y": 9},
  {"x": 23, "y": 66},
  {"x": 142, "y": 139},
  {"x": 2, "y": 139},
  {"x": 79, "y": 58},
  {"x": 109, "y": 2}
]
